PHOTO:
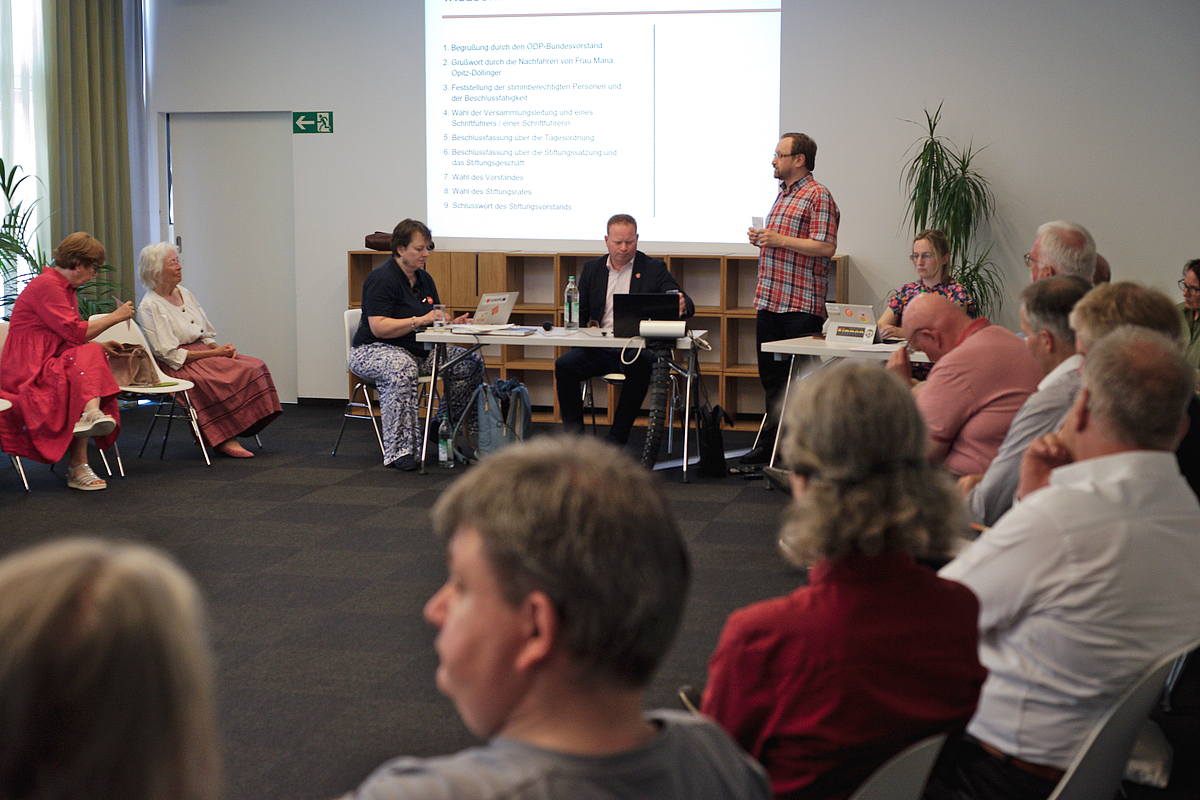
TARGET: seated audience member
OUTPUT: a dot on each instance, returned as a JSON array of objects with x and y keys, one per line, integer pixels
[
  {"x": 1062, "y": 248},
  {"x": 234, "y": 394},
  {"x": 398, "y": 298},
  {"x": 1190, "y": 309},
  {"x": 1091, "y": 578},
  {"x": 1103, "y": 273},
  {"x": 981, "y": 376},
  {"x": 1126, "y": 303},
  {"x": 1045, "y": 319},
  {"x": 931, "y": 256},
  {"x": 876, "y": 652},
  {"x": 106, "y": 680},
  {"x": 57, "y": 378},
  {"x": 567, "y": 581},
  {"x": 626, "y": 270}
]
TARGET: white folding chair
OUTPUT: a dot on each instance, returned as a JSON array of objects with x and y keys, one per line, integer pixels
[
  {"x": 1096, "y": 770},
  {"x": 616, "y": 379},
  {"x": 364, "y": 385},
  {"x": 16, "y": 460},
  {"x": 904, "y": 775},
  {"x": 129, "y": 332}
]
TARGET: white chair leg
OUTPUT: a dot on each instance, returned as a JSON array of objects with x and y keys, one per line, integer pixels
[
  {"x": 195, "y": 426},
  {"x": 16, "y": 462},
  {"x": 120, "y": 466}
]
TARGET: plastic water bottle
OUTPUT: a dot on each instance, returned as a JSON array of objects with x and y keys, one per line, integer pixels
[
  {"x": 571, "y": 305},
  {"x": 445, "y": 445}
]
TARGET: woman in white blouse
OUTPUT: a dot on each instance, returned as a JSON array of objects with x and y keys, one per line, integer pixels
[{"x": 234, "y": 394}]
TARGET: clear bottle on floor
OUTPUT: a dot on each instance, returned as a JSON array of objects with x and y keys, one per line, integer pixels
[
  {"x": 445, "y": 445},
  {"x": 571, "y": 305}
]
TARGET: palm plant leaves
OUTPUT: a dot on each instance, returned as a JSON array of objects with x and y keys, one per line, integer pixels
[
  {"x": 21, "y": 257},
  {"x": 946, "y": 192}
]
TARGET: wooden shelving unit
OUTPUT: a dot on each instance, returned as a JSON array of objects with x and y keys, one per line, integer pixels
[{"x": 722, "y": 286}]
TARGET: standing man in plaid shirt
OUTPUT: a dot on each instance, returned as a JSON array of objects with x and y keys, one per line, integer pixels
[{"x": 794, "y": 251}]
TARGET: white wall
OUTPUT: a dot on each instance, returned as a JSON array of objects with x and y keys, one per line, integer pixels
[{"x": 1089, "y": 117}]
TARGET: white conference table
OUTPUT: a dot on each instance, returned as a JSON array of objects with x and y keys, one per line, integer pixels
[
  {"x": 829, "y": 352},
  {"x": 5, "y": 405},
  {"x": 555, "y": 337}
]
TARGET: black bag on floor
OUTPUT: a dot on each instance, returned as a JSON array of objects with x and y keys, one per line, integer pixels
[{"x": 712, "y": 444}]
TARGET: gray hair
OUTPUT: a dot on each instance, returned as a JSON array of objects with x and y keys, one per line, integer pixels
[
  {"x": 581, "y": 522},
  {"x": 1139, "y": 383},
  {"x": 150, "y": 262},
  {"x": 1111, "y": 305},
  {"x": 1069, "y": 247},
  {"x": 1048, "y": 304},
  {"x": 106, "y": 679},
  {"x": 855, "y": 431}
]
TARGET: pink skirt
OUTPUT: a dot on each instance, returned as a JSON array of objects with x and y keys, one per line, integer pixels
[{"x": 233, "y": 396}]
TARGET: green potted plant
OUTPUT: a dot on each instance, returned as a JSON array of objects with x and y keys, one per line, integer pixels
[
  {"x": 945, "y": 191},
  {"x": 22, "y": 258}
]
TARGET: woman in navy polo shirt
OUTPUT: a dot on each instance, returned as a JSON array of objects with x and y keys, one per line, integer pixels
[{"x": 398, "y": 298}]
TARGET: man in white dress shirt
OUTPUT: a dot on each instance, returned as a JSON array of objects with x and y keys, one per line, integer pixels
[{"x": 1091, "y": 577}]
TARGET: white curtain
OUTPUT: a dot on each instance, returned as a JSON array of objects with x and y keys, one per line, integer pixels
[{"x": 23, "y": 103}]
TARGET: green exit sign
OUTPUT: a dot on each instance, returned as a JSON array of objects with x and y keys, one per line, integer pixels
[{"x": 312, "y": 122}]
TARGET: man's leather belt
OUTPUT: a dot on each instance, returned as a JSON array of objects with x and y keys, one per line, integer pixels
[{"x": 1039, "y": 770}]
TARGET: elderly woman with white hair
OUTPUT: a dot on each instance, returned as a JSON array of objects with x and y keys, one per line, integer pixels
[
  {"x": 876, "y": 652},
  {"x": 234, "y": 394}
]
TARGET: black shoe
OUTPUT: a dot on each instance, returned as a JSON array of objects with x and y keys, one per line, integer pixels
[
  {"x": 617, "y": 440},
  {"x": 759, "y": 455},
  {"x": 405, "y": 463}
]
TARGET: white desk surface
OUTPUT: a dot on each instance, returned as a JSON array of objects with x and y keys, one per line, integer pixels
[
  {"x": 555, "y": 337},
  {"x": 813, "y": 346},
  {"x": 4, "y": 404}
]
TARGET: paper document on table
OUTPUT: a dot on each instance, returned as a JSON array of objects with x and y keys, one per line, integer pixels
[
  {"x": 480, "y": 328},
  {"x": 879, "y": 347}
]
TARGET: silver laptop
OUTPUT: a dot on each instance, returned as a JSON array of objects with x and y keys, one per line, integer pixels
[{"x": 850, "y": 324}]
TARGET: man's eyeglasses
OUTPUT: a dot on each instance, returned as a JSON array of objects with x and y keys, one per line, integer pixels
[
  {"x": 786, "y": 155},
  {"x": 1183, "y": 287},
  {"x": 1030, "y": 261}
]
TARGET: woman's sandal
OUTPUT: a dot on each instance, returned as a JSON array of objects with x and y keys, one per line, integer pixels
[
  {"x": 94, "y": 423},
  {"x": 84, "y": 479}
]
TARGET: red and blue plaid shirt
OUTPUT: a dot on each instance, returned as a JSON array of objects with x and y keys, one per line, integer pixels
[{"x": 789, "y": 281}]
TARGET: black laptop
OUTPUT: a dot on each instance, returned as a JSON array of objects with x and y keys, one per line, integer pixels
[{"x": 630, "y": 309}]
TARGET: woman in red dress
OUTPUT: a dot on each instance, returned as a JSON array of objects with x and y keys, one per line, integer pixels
[{"x": 62, "y": 390}]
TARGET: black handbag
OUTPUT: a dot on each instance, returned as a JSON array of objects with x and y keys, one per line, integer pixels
[{"x": 712, "y": 444}]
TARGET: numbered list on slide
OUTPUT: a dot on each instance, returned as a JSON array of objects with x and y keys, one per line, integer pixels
[{"x": 528, "y": 125}]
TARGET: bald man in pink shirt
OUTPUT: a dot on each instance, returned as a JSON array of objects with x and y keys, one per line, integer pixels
[{"x": 981, "y": 375}]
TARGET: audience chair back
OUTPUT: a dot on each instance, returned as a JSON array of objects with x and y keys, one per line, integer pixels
[
  {"x": 129, "y": 332},
  {"x": 1097, "y": 768},
  {"x": 16, "y": 460},
  {"x": 904, "y": 775}
]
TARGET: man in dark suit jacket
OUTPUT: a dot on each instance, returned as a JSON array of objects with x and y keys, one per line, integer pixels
[{"x": 631, "y": 272}]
